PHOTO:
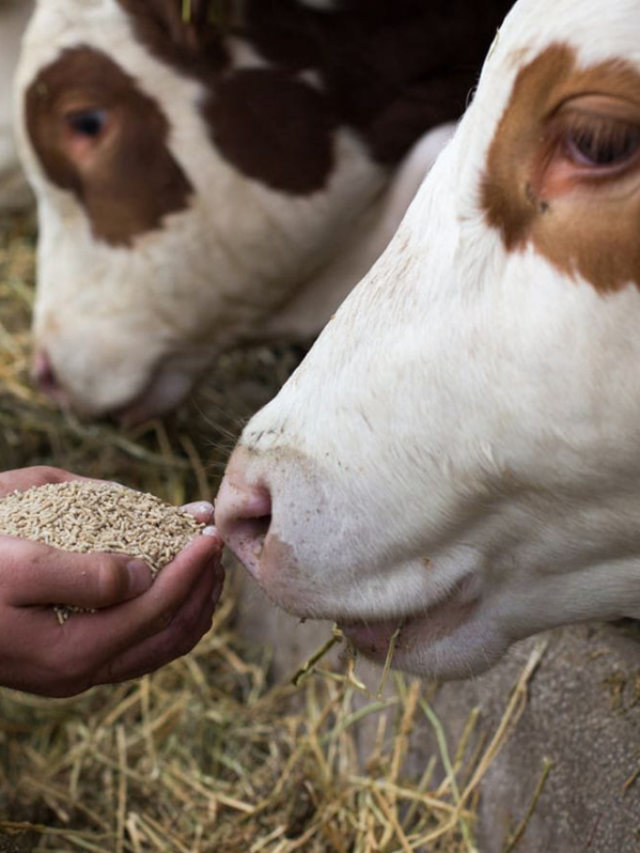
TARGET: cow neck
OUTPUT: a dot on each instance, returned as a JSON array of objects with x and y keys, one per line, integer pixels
[{"x": 312, "y": 305}]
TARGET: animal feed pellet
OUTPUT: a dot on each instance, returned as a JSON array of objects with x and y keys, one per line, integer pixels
[{"x": 86, "y": 516}]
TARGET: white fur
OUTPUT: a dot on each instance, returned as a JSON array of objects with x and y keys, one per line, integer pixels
[{"x": 466, "y": 405}]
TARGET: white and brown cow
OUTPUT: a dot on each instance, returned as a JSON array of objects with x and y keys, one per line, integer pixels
[
  {"x": 14, "y": 190},
  {"x": 221, "y": 177},
  {"x": 459, "y": 454}
]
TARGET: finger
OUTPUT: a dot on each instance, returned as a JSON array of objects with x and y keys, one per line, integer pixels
[
  {"x": 42, "y": 658},
  {"x": 109, "y": 633},
  {"x": 95, "y": 648},
  {"x": 180, "y": 637},
  {"x": 159, "y": 651},
  {"x": 202, "y": 511},
  {"x": 176, "y": 582},
  {"x": 32, "y": 573}
]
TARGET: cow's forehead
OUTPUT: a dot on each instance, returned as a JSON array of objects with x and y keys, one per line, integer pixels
[
  {"x": 594, "y": 32},
  {"x": 546, "y": 55}
]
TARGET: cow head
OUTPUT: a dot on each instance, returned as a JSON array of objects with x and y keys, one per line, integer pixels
[
  {"x": 195, "y": 173},
  {"x": 458, "y": 457}
]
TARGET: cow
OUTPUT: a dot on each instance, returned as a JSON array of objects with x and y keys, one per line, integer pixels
[
  {"x": 14, "y": 190},
  {"x": 455, "y": 464},
  {"x": 220, "y": 173}
]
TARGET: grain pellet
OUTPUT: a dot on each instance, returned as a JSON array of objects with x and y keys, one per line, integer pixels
[{"x": 86, "y": 517}]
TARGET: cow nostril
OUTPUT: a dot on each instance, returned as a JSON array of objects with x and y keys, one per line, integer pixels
[
  {"x": 243, "y": 516},
  {"x": 44, "y": 375},
  {"x": 250, "y": 533}
]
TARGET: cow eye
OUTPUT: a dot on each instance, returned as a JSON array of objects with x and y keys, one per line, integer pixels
[
  {"x": 87, "y": 123},
  {"x": 601, "y": 143}
]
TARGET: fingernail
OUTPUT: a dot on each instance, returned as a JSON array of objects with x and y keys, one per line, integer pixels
[
  {"x": 211, "y": 531},
  {"x": 200, "y": 508},
  {"x": 139, "y": 577}
]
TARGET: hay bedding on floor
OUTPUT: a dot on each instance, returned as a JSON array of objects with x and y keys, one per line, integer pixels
[{"x": 207, "y": 756}]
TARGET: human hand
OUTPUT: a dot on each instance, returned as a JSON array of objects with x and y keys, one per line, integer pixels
[{"x": 138, "y": 628}]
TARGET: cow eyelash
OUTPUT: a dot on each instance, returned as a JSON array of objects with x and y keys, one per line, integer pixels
[{"x": 599, "y": 142}]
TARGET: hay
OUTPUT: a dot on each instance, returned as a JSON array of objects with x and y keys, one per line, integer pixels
[
  {"x": 203, "y": 757},
  {"x": 123, "y": 765},
  {"x": 206, "y": 755}
]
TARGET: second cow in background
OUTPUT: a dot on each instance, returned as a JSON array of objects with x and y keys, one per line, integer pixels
[{"x": 223, "y": 177}]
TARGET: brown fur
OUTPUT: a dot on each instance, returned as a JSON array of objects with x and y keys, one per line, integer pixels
[
  {"x": 584, "y": 223},
  {"x": 134, "y": 182},
  {"x": 389, "y": 69}
]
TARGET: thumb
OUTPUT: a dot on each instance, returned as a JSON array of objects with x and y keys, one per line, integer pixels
[{"x": 35, "y": 574}]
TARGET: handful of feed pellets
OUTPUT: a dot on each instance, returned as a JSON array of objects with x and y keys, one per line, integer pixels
[{"x": 87, "y": 516}]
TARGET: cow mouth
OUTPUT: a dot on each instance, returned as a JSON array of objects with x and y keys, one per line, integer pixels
[
  {"x": 166, "y": 391},
  {"x": 401, "y": 636}
]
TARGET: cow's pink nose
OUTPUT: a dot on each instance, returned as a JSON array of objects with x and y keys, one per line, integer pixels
[
  {"x": 45, "y": 378},
  {"x": 243, "y": 516}
]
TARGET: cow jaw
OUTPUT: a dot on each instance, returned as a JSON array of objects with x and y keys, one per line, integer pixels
[
  {"x": 446, "y": 640},
  {"x": 120, "y": 336},
  {"x": 115, "y": 319}
]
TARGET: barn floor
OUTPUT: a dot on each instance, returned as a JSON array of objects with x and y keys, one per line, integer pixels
[{"x": 208, "y": 755}]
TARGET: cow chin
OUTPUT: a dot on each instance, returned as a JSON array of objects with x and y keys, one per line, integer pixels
[
  {"x": 454, "y": 636},
  {"x": 166, "y": 391},
  {"x": 131, "y": 390},
  {"x": 446, "y": 641}
]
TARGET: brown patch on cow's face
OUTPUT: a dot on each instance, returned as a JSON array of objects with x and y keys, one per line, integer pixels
[
  {"x": 98, "y": 136},
  {"x": 563, "y": 171}
]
